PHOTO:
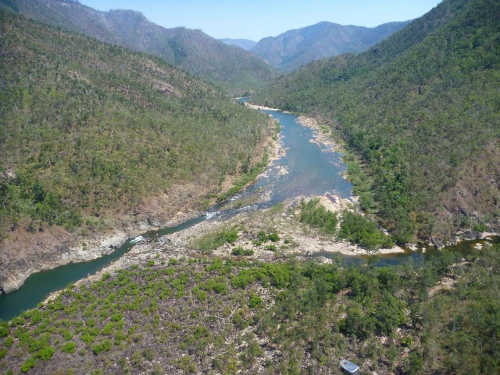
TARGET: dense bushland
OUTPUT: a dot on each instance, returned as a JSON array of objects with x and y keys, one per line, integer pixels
[
  {"x": 362, "y": 231},
  {"x": 421, "y": 111}
]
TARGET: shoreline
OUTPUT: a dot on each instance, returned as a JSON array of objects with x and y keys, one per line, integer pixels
[
  {"x": 179, "y": 244},
  {"x": 321, "y": 137},
  {"x": 90, "y": 248},
  {"x": 262, "y": 107}
]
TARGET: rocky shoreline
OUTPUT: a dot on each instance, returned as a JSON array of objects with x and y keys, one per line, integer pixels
[
  {"x": 61, "y": 248},
  {"x": 86, "y": 249}
]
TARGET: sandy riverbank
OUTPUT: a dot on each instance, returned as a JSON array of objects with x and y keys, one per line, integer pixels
[{"x": 261, "y": 107}]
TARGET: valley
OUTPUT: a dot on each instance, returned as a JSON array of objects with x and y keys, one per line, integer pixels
[{"x": 176, "y": 203}]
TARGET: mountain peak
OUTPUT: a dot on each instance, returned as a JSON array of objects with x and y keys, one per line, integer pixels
[{"x": 294, "y": 48}]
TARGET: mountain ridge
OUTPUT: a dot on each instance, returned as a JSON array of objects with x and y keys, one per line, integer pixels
[
  {"x": 294, "y": 48},
  {"x": 190, "y": 50}
]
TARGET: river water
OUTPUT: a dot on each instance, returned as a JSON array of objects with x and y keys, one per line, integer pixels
[{"x": 305, "y": 169}]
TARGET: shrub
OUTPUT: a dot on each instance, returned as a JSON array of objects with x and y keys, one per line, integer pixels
[
  {"x": 116, "y": 317},
  {"x": 239, "y": 251},
  {"x": 66, "y": 333},
  {"x": 45, "y": 353},
  {"x": 254, "y": 300},
  {"x": 361, "y": 231},
  {"x": 69, "y": 347},
  {"x": 104, "y": 346},
  {"x": 4, "y": 330},
  {"x": 263, "y": 237},
  {"x": 8, "y": 342},
  {"x": 271, "y": 248},
  {"x": 217, "y": 285},
  {"x": 273, "y": 237},
  {"x": 212, "y": 241},
  {"x": 29, "y": 364},
  {"x": 318, "y": 217}
]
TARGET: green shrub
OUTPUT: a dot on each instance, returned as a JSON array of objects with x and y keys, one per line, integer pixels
[
  {"x": 273, "y": 237},
  {"x": 3, "y": 353},
  {"x": 66, "y": 333},
  {"x": 218, "y": 285},
  {"x": 318, "y": 217},
  {"x": 108, "y": 329},
  {"x": 239, "y": 251},
  {"x": 261, "y": 238},
  {"x": 8, "y": 342},
  {"x": 480, "y": 227},
  {"x": 361, "y": 231},
  {"x": 104, "y": 346},
  {"x": 239, "y": 319},
  {"x": 29, "y": 364},
  {"x": 45, "y": 353},
  {"x": 271, "y": 248},
  {"x": 69, "y": 347},
  {"x": 212, "y": 241},
  {"x": 254, "y": 300},
  {"x": 36, "y": 317},
  {"x": 116, "y": 317},
  {"x": 4, "y": 330}
]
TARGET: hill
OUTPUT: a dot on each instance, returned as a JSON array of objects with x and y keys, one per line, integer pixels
[
  {"x": 242, "y": 43},
  {"x": 421, "y": 111},
  {"x": 190, "y": 50},
  {"x": 295, "y": 48},
  {"x": 95, "y": 137}
]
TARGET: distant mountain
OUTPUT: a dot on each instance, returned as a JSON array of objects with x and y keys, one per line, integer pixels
[
  {"x": 421, "y": 111},
  {"x": 295, "y": 48},
  {"x": 191, "y": 50},
  {"x": 245, "y": 44}
]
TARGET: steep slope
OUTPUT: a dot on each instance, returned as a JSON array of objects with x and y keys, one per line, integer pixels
[
  {"x": 246, "y": 44},
  {"x": 190, "y": 50},
  {"x": 421, "y": 109},
  {"x": 94, "y": 136},
  {"x": 295, "y": 48}
]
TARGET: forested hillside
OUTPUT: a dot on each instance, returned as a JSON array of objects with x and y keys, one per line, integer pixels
[
  {"x": 294, "y": 48},
  {"x": 190, "y": 50},
  {"x": 90, "y": 128},
  {"x": 421, "y": 109}
]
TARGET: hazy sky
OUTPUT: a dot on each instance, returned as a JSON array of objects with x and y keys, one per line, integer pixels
[{"x": 255, "y": 19}]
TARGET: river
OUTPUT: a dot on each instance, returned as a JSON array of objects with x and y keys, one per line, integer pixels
[
  {"x": 306, "y": 169},
  {"x": 310, "y": 170}
]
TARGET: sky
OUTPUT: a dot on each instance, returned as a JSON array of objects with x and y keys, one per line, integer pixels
[{"x": 256, "y": 19}]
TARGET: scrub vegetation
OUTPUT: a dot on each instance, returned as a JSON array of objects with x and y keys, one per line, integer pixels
[
  {"x": 215, "y": 315},
  {"x": 90, "y": 129},
  {"x": 420, "y": 111}
]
